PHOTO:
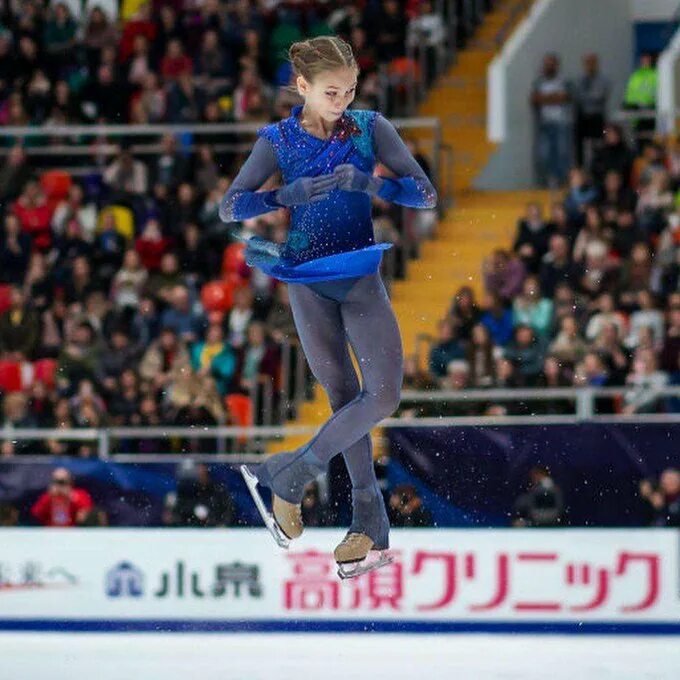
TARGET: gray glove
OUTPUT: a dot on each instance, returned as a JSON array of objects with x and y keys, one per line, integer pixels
[
  {"x": 306, "y": 190},
  {"x": 350, "y": 178}
]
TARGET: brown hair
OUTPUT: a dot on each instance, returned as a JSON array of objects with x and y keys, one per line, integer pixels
[{"x": 325, "y": 53}]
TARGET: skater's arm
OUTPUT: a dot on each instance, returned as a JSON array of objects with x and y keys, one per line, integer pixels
[
  {"x": 411, "y": 187},
  {"x": 242, "y": 200}
]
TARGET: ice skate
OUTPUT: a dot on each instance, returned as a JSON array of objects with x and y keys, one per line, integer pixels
[
  {"x": 284, "y": 522},
  {"x": 356, "y": 555}
]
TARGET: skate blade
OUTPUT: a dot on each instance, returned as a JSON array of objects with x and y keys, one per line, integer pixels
[
  {"x": 354, "y": 569},
  {"x": 269, "y": 522}
]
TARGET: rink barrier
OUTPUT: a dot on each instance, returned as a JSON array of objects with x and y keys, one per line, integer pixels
[{"x": 564, "y": 581}]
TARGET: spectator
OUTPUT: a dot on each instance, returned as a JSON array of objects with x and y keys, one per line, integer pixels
[
  {"x": 15, "y": 249},
  {"x": 239, "y": 316},
  {"x": 128, "y": 283},
  {"x": 530, "y": 309},
  {"x": 446, "y": 349},
  {"x": 19, "y": 329},
  {"x": 35, "y": 215},
  {"x": 480, "y": 358},
  {"x": 14, "y": 174},
  {"x": 605, "y": 313},
  {"x": 152, "y": 245},
  {"x": 201, "y": 501},
  {"x": 580, "y": 194},
  {"x": 551, "y": 100},
  {"x": 531, "y": 241},
  {"x": 165, "y": 358},
  {"x": 612, "y": 154},
  {"x": 63, "y": 504},
  {"x": 591, "y": 96},
  {"x": 557, "y": 266},
  {"x": 499, "y": 320},
  {"x": 79, "y": 356},
  {"x": 503, "y": 275},
  {"x": 526, "y": 352},
  {"x": 171, "y": 168},
  {"x": 609, "y": 346},
  {"x": 645, "y": 380},
  {"x": 126, "y": 176},
  {"x": 406, "y": 509},
  {"x": 457, "y": 376},
  {"x": 214, "y": 359},
  {"x": 180, "y": 316},
  {"x": 464, "y": 313},
  {"x": 16, "y": 416},
  {"x": 641, "y": 87},
  {"x": 663, "y": 503},
  {"x": 648, "y": 316},
  {"x": 568, "y": 347},
  {"x": 542, "y": 505},
  {"x": 257, "y": 357}
]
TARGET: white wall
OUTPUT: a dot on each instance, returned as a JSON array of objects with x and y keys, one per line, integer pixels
[
  {"x": 570, "y": 29},
  {"x": 653, "y": 10}
]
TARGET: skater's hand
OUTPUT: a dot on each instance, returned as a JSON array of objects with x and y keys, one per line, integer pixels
[
  {"x": 306, "y": 190},
  {"x": 350, "y": 178}
]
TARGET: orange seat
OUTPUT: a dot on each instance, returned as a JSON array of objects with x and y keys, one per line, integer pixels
[
  {"x": 45, "y": 371},
  {"x": 10, "y": 376},
  {"x": 5, "y": 297},
  {"x": 55, "y": 184},
  {"x": 217, "y": 296},
  {"x": 240, "y": 409},
  {"x": 233, "y": 258}
]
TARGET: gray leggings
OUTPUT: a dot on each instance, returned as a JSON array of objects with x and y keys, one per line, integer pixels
[{"x": 327, "y": 316}]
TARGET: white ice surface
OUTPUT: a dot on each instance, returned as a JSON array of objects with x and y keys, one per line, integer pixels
[{"x": 187, "y": 656}]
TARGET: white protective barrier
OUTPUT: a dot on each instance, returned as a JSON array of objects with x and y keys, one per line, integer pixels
[{"x": 568, "y": 580}]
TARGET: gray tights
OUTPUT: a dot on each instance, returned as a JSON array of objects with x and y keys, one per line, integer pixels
[{"x": 328, "y": 315}]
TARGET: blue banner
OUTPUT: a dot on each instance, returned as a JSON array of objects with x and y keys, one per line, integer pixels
[{"x": 471, "y": 476}]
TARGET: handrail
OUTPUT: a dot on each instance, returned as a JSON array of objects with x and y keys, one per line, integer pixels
[{"x": 389, "y": 423}]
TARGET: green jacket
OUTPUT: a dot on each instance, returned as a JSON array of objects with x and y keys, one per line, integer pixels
[{"x": 641, "y": 89}]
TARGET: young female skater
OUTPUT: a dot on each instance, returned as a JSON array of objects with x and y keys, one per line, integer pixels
[{"x": 326, "y": 155}]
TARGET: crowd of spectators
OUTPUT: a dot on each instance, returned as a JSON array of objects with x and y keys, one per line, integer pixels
[
  {"x": 587, "y": 295},
  {"x": 123, "y": 301},
  {"x": 189, "y": 61}
]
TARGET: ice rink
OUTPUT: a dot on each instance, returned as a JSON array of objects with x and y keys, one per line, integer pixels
[{"x": 217, "y": 656}]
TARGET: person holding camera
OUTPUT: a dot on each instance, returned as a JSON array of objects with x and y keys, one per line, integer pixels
[{"x": 62, "y": 505}]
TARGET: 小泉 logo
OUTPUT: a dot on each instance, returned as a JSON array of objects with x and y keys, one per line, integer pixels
[{"x": 233, "y": 579}]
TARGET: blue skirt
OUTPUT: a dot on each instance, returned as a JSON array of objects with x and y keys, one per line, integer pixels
[{"x": 263, "y": 255}]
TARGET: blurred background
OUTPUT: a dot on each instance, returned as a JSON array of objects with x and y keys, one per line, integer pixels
[{"x": 141, "y": 360}]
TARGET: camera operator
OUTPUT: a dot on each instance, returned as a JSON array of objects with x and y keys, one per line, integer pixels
[{"x": 62, "y": 505}]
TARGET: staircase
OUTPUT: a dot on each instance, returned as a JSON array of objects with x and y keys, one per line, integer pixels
[{"x": 479, "y": 221}]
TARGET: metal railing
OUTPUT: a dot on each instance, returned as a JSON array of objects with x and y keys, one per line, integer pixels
[
  {"x": 583, "y": 398},
  {"x": 584, "y": 401}
]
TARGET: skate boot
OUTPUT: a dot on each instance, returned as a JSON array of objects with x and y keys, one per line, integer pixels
[
  {"x": 286, "y": 475},
  {"x": 364, "y": 547}
]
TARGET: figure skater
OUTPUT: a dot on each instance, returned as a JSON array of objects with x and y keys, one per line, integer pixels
[{"x": 326, "y": 155}]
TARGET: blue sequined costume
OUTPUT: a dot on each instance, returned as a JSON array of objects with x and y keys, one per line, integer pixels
[
  {"x": 330, "y": 261},
  {"x": 331, "y": 239}
]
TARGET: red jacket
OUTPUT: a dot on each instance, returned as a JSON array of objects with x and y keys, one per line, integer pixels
[
  {"x": 60, "y": 511},
  {"x": 35, "y": 221}
]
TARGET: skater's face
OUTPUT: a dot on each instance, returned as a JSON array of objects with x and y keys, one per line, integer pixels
[{"x": 330, "y": 93}]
